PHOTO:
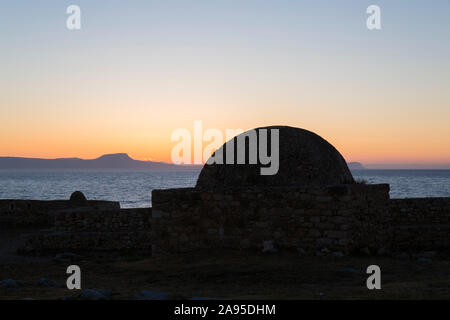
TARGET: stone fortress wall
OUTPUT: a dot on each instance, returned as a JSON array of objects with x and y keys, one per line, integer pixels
[
  {"x": 22, "y": 213},
  {"x": 326, "y": 209},
  {"x": 420, "y": 223},
  {"x": 340, "y": 218},
  {"x": 112, "y": 220},
  {"x": 104, "y": 226}
]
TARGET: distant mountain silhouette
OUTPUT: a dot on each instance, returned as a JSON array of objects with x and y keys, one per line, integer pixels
[
  {"x": 355, "y": 166},
  {"x": 107, "y": 161}
]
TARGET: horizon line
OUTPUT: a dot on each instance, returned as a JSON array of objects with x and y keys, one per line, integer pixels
[{"x": 366, "y": 166}]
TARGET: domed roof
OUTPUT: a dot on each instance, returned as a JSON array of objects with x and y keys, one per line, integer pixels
[{"x": 304, "y": 159}]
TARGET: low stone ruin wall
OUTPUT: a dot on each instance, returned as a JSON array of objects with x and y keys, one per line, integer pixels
[
  {"x": 20, "y": 213},
  {"x": 81, "y": 230},
  {"x": 420, "y": 223},
  {"x": 420, "y": 211},
  {"x": 338, "y": 217},
  {"x": 104, "y": 220}
]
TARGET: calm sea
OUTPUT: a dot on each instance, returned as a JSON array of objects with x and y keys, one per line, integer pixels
[{"x": 133, "y": 188}]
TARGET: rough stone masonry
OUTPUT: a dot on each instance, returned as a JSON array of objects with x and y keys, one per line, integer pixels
[{"x": 312, "y": 203}]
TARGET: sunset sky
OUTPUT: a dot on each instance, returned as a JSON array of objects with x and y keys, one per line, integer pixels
[{"x": 138, "y": 70}]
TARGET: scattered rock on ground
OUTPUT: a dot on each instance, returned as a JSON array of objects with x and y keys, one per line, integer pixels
[
  {"x": 401, "y": 255},
  {"x": 350, "y": 270},
  {"x": 337, "y": 254},
  {"x": 94, "y": 294},
  {"x": 44, "y": 282},
  {"x": 268, "y": 246},
  {"x": 322, "y": 252},
  {"x": 10, "y": 283},
  {"x": 151, "y": 295},
  {"x": 320, "y": 294},
  {"x": 66, "y": 257},
  {"x": 428, "y": 254}
]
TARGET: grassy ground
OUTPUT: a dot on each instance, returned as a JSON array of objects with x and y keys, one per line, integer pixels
[{"x": 237, "y": 275}]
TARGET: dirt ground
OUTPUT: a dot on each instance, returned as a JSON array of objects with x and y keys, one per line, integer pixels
[{"x": 233, "y": 275}]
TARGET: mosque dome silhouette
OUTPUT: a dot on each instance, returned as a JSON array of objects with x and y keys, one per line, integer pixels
[{"x": 305, "y": 159}]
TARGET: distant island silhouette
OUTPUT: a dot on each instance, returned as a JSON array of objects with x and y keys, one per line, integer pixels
[
  {"x": 122, "y": 161},
  {"x": 107, "y": 161}
]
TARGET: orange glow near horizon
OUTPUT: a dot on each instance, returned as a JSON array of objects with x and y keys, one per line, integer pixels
[
  {"x": 355, "y": 144},
  {"x": 399, "y": 131}
]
